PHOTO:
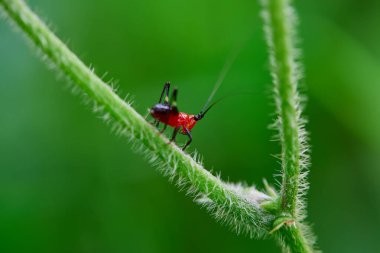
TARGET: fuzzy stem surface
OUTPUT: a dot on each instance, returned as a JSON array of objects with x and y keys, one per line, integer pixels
[
  {"x": 285, "y": 79},
  {"x": 279, "y": 20}
]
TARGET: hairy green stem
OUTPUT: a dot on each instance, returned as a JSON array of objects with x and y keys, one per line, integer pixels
[
  {"x": 285, "y": 77},
  {"x": 294, "y": 239},
  {"x": 279, "y": 18},
  {"x": 227, "y": 204}
]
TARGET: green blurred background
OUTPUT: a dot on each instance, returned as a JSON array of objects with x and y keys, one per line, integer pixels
[{"x": 68, "y": 185}]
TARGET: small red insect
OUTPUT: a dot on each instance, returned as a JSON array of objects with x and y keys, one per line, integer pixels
[{"x": 167, "y": 112}]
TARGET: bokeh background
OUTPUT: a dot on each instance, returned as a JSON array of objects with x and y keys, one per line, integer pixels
[{"x": 69, "y": 185}]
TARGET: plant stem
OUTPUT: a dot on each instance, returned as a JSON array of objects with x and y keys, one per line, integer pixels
[
  {"x": 226, "y": 204},
  {"x": 285, "y": 73},
  {"x": 279, "y": 19},
  {"x": 294, "y": 239}
]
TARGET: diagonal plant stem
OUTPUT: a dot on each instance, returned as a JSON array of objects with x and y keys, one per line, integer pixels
[{"x": 242, "y": 212}]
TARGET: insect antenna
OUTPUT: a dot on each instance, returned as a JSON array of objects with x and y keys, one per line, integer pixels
[
  {"x": 226, "y": 67},
  {"x": 200, "y": 115}
]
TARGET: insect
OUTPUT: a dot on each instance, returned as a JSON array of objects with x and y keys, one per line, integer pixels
[{"x": 166, "y": 111}]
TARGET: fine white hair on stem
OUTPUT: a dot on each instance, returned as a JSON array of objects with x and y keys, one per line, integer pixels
[{"x": 279, "y": 25}]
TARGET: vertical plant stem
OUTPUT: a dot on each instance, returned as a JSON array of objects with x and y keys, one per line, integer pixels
[
  {"x": 294, "y": 240},
  {"x": 278, "y": 18}
]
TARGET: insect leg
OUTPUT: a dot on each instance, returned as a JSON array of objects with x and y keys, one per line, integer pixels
[
  {"x": 166, "y": 92},
  {"x": 190, "y": 138},
  {"x": 164, "y": 128},
  {"x": 175, "y": 132},
  {"x": 173, "y": 101},
  {"x": 153, "y": 123}
]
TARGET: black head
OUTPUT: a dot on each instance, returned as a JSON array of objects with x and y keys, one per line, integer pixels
[{"x": 198, "y": 116}]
